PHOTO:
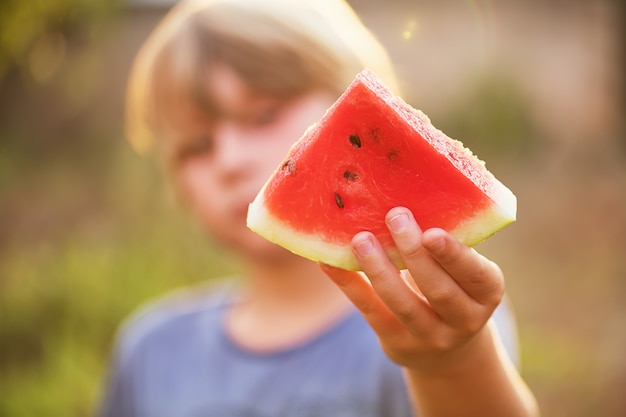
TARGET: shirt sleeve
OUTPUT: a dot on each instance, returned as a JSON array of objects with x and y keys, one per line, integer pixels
[{"x": 117, "y": 400}]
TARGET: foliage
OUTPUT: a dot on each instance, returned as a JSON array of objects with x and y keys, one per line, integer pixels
[
  {"x": 63, "y": 295},
  {"x": 30, "y": 29},
  {"x": 494, "y": 118}
]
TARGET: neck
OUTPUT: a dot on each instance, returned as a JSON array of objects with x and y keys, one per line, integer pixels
[
  {"x": 290, "y": 283},
  {"x": 285, "y": 303}
]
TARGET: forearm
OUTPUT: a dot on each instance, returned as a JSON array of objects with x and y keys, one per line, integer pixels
[{"x": 483, "y": 383}]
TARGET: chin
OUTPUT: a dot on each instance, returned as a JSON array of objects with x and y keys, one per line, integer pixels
[
  {"x": 269, "y": 253},
  {"x": 252, "y": 246},
  {"x": 262, "y": 248}
]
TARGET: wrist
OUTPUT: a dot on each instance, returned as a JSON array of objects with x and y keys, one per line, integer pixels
[
  {"x": 478, "y": 379},
  {"x": 481, "y": 351}
]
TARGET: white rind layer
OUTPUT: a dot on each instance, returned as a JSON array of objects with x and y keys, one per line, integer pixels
[
  {"x": 313, "y": 247},
  {"x": 319, "y": 249}
]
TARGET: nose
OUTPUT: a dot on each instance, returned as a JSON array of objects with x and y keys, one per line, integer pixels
[{"x": 232, "y": 155}]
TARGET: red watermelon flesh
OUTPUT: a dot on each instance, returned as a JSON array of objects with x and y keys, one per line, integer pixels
[{"x": 371, "y": 152}]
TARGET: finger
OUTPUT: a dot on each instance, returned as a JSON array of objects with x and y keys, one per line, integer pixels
[
  {"x": 360, "y": 292},
  {"x": 407, "y": 305},
  {"x": 443, "y": 293},
  {"x": 479, "y": 277}
]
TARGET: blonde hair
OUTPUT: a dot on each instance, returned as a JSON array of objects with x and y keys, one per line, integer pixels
[{"x": 280, "y": 47}]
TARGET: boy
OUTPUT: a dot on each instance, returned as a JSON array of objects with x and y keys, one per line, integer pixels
[{"x": 222, "y": 89}]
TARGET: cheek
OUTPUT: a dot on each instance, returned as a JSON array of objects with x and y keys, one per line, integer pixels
[
  {"x": 290, "y": 128},
  {"x": 195, "y": 187},
  {"x": 267, "y": 148},
  {"x": 273, "y": 154}
]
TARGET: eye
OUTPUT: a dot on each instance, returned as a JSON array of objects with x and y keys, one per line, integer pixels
[
  {"x": 199, "y": 146},
  {"x": 266, "y": 114}
]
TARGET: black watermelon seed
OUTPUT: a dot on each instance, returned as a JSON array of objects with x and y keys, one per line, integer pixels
[
  {"x": 355, "y": 140},
  {"x": 375, "y": 134},
  {"x": 338, "y": 200},
  {"x": 289, "y": 166},
  {"x": 392, "y": 154},
  {"x": 350, "y": 175}
]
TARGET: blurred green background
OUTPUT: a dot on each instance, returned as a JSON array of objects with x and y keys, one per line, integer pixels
[{"x": 88, "y": 230}]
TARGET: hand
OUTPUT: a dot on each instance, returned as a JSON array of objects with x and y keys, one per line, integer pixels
[{"x": 428, "y": 316}]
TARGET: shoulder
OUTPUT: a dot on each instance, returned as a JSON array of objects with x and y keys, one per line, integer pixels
[{"x": 169, "y": 316}]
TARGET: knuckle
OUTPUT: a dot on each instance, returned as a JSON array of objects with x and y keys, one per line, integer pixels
[
  {"x": 375, "y": 272},
  {"x": 405, "y": 313},
  {"x": 411, "y": 250},
  {"x": 472, "y": 325},
  {"x": 444, "y": 342},
  {"x": 442, "y": 296},
  {"x": 494, "y": 286},
  {"x": 367, "y": 308},
  {"x": 402, "y": 349},
  {"x": 486, "y": 284}
]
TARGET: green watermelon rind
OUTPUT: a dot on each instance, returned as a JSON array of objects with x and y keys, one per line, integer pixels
[{"x": 320, "y": 248}]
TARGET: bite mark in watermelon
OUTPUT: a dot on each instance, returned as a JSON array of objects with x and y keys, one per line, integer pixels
[{"x": 371, "y": 152}]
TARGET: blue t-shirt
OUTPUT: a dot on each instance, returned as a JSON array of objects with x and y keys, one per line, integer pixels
[{"x": 175, "y": 359}]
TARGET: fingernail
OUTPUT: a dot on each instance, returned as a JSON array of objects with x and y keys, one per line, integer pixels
[
  {"x": 398, "y": 222},
  {"x": 364, "y": 247}
]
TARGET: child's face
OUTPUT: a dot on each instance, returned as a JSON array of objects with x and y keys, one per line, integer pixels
[{"x": 221, "y": 164}]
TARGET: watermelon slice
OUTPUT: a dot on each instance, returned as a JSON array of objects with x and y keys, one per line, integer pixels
[{"x": 370, "y": 152}]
